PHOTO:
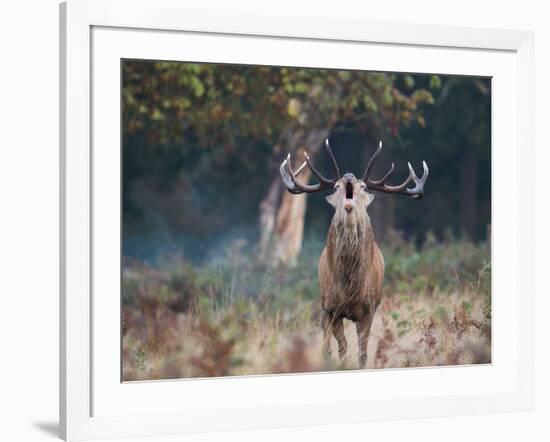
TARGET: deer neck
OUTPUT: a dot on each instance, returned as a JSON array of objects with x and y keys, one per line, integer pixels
[{"x": 350, "y": 247}]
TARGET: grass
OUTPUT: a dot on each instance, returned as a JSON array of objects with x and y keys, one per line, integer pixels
[{"x": 230, "y": 316}]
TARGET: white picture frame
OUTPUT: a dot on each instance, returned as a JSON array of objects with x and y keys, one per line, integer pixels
[{"x": 93, "y": 402}]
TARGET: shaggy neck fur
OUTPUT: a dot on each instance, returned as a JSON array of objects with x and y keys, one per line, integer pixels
[{"x": 350, "y": 248}]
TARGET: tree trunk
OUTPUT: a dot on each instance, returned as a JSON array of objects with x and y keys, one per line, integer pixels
[
  {"x": 289, "y": 226},
  {"x": 282, "y": 213},
  {"x": 468, "y": 192},
  {"x": 268, "y": 213}
]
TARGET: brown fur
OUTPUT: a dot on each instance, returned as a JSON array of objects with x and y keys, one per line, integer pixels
[{"x": 351, "y": 269}]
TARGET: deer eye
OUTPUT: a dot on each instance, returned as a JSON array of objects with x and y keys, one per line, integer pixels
[
  {"x": 337, "y": 186},
  {"x": 364, "y": 187}
]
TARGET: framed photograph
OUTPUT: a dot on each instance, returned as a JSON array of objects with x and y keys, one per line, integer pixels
[{"x": 284, "y": 221}]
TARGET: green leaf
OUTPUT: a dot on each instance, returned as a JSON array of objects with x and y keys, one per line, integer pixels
[
  {"x": 435, "y": 82},
  {"x": 157, "y": 115},
  {"x": 409, "y": 81},
  {"x": 294, "y": 107},
  {"x": 300, "y": 88},
  {"x": 369, "y": 103},
  {"x": 197, "y": 86},
  {"x": 387, "y": 98},
  {"x": 344, "y": 75}
]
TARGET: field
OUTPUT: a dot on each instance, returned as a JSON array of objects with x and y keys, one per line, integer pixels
[{"x": 230, "y": 316}]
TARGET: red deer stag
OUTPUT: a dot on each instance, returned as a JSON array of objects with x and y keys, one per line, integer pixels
[{"x": 351, "y": 267}]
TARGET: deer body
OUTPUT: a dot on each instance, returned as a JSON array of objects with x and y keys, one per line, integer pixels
[
  {"x": 351, "y": 266},
  {"x": 351, "y": 269}
]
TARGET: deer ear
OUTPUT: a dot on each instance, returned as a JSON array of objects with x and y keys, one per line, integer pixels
[
  {"x": 331, "y": 199},
  {"x": 370, "y": 198}
]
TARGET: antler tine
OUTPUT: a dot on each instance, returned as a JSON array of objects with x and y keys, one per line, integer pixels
[
  {"x": 333, "y": 160},
  {"x": 289, "y": 179},
  {"x": 418, "y": 189},
  {"x": 289, "y": 176},
  {"x": 380, "y": 185},
  {"x": 416, "y": 192},
  {"x": 404, "y": 184},
  {"x": 371, "y": 161},
  {"x": 318, "y": 174},
  {"x": 302, "y": 166},
  {"x": 385, "y": 177}
]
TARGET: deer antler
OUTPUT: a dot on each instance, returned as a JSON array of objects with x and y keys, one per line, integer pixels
[
  {"x": 289, "y": 175},
  {"x": 380, "y": 185}
]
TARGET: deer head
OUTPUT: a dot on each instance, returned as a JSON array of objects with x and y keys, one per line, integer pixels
[{"x": 352, "y": 195}]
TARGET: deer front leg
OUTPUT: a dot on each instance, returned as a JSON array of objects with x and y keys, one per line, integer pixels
[
  {"x": 363, "y": 332},
  {"x": 326, "y": 324},
  {"x": 338, "y": 330}
]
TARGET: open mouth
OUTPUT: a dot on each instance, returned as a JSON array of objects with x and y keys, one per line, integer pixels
[{"x": 349, "y": 191}]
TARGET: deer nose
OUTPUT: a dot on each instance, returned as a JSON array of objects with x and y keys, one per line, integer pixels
[{"x": 349, "y": 176}]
